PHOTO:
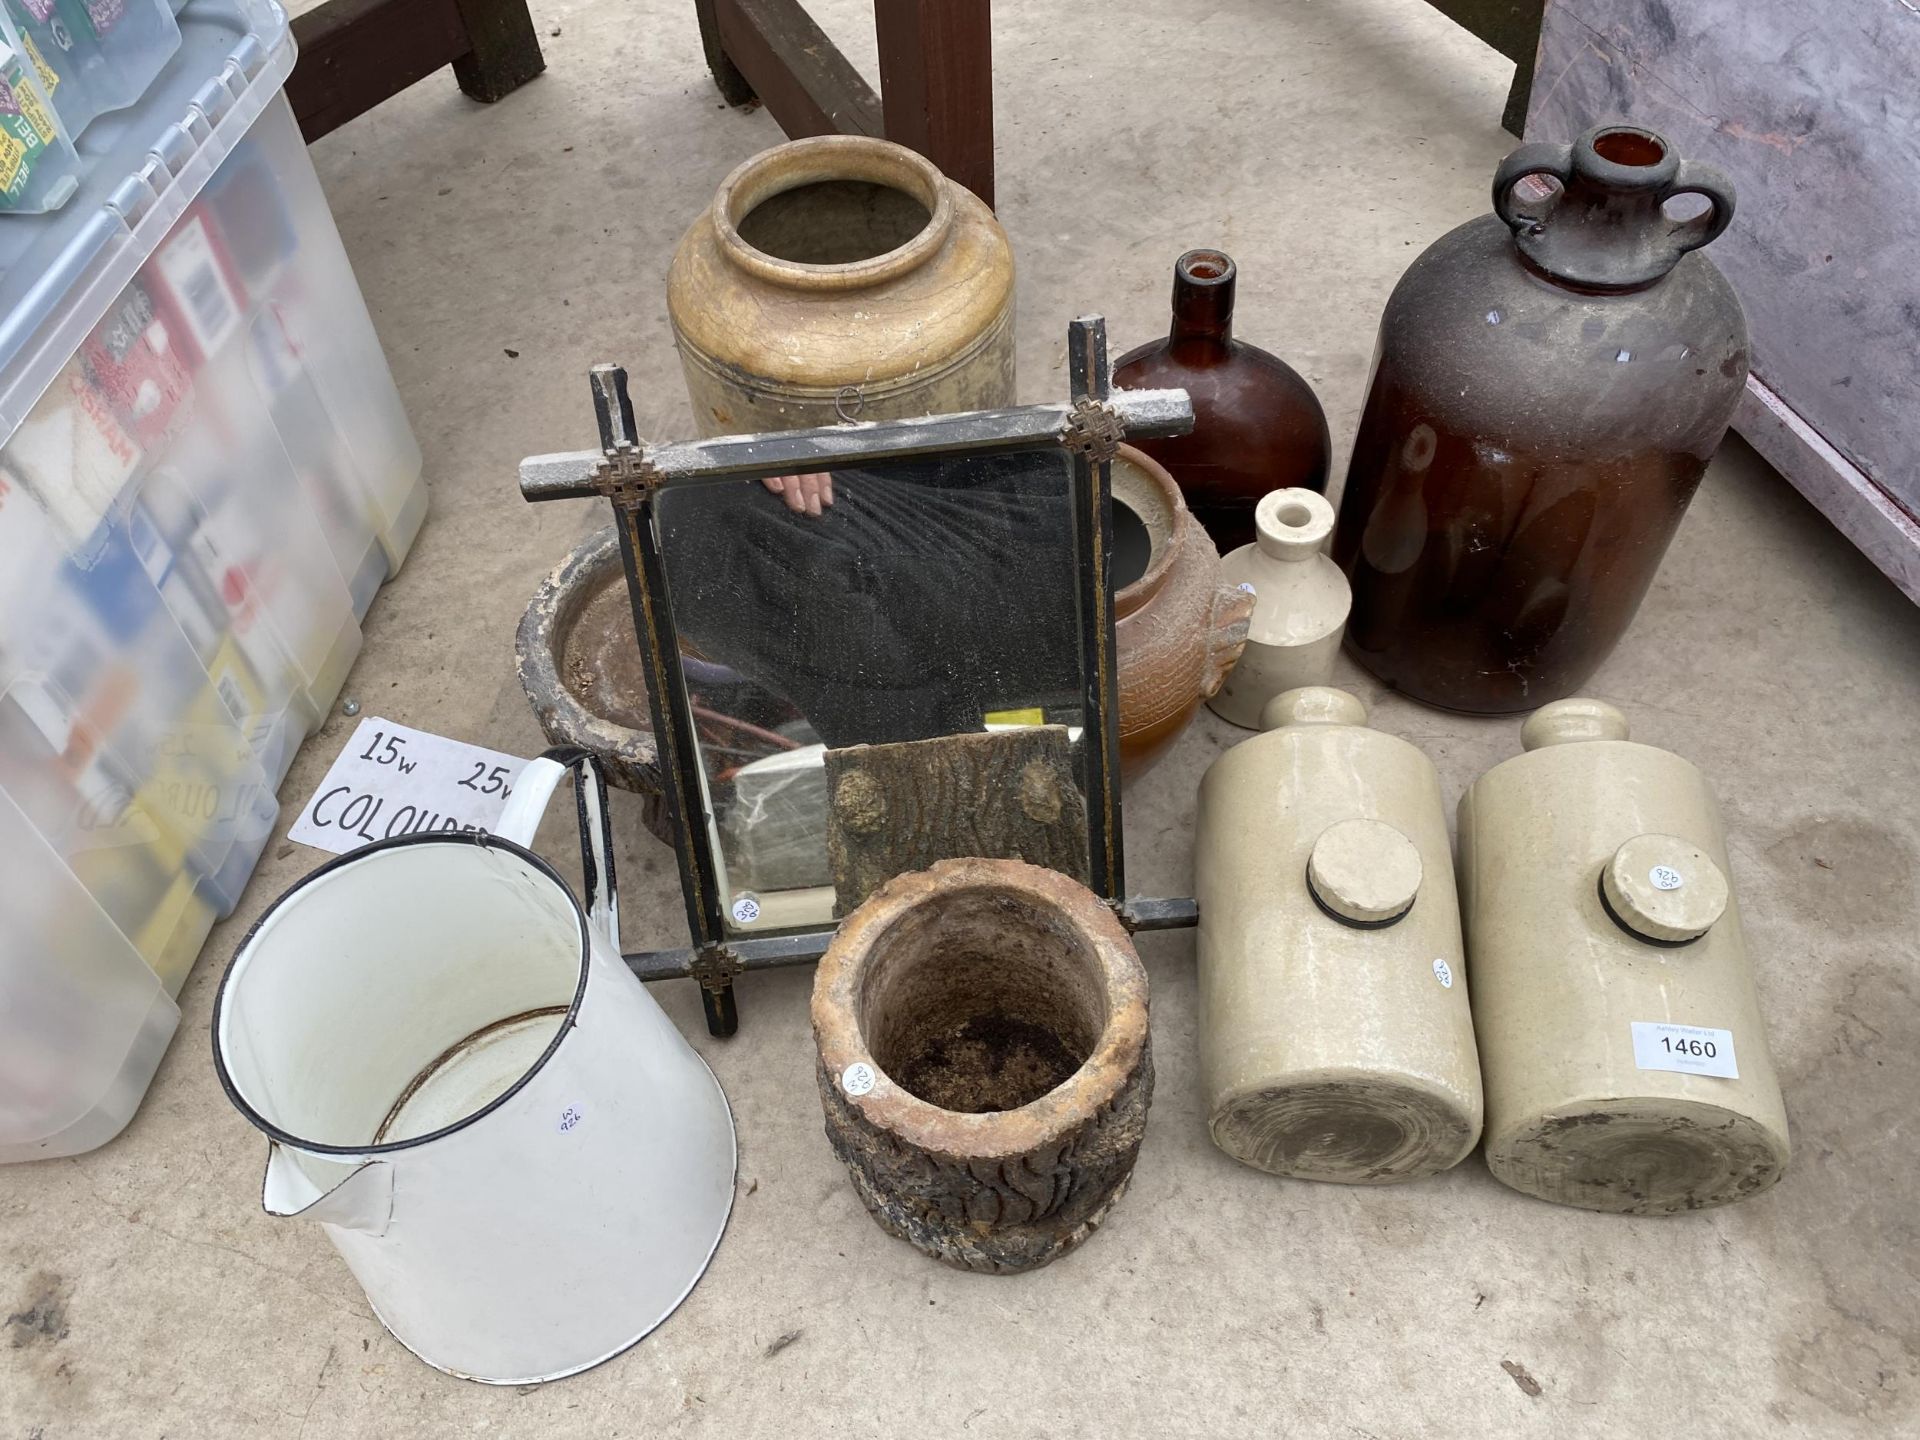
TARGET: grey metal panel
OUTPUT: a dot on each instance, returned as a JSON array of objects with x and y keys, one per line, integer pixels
[{"x": 1815, "y": 113}]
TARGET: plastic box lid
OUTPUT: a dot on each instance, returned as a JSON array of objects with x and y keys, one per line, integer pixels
[{"x": 144, "y": 165}]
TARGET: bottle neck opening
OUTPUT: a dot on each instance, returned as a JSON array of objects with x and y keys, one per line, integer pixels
[{"x": 1203, "y": 296}]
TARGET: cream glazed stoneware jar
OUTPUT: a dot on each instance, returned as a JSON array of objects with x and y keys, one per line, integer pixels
[
  {"x": 1300, "y": 605},
  {"x": 841, "y": 278},
  {"x": 1336, "y": 1042},
  {"x": 1626, "y": 1062}
]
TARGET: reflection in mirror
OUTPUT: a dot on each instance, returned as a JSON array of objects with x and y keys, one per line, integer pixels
[{"x": 896, "y": 601}]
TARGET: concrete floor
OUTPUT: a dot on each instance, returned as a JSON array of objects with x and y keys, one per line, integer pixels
[{"x": 1322, "y": 144}]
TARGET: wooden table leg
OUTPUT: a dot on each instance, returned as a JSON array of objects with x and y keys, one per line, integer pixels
[
  {"x": 803, "y": 80},
  {"x": 504, "y": 52},
  {"x": 936, "y": 76},
  {"x": 356, "y": 53},
  {"x": 734, "y": 88},
  {"x": 1514, "y": 119},
  {"x": 1513, "y": 28},
  {"x": 936, "y": 84}
]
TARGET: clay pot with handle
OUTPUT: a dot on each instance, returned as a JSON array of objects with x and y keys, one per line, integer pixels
[{"x": 1178, "y": 627}]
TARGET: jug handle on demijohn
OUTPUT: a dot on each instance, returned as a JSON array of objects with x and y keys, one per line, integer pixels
[{"x": 1690, "y": 177}]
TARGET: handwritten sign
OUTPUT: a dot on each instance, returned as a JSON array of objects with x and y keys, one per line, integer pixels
[{"x": 395, "y": 780}]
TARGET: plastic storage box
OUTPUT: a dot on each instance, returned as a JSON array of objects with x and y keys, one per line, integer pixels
[
  {"x": 91, "y": 56},
  {"x": 205, "y": 477},
  {"x": 39, "y": 169}
]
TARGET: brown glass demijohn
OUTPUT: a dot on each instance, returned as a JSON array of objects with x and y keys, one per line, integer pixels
[
  {"x": 1256, "y": 424},
  {"x": 1549, "y": 384}
]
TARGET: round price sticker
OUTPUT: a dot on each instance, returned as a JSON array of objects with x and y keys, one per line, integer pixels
[
  {"x": 1443, "y": 972},
  {"x": 858, "y": 1078},
  {"x": 746, "y": 908},
  {"x": 1665, "y": 877}
]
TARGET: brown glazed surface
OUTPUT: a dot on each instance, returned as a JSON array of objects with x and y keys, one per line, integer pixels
[
  {"x": 1257, "y": 425},
  {"x": 1530, "y": 443},
  {"x": 1179, "y": 630}
]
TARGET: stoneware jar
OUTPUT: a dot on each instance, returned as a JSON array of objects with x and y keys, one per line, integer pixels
[
  {"x": 1550, "y": 382},
  {"x": 1626, "y": 1062},
  {"x": 1179, "y": 629},
  {"x": 1299, "y": 608},
  {"x": 841, "y": 278},
  {"x": 1335, "y": 1037},
  {"x": 984, "y": 1060}
]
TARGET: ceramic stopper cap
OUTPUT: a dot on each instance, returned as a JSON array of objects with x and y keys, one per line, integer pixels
[
  {"x": 1664, "y": 888},
  {"x": 1312, "y": 705},
  {"x": 1293, "y": 524},
  {"x": 1364, "y": 871},
  {"x": 1566, "y": 721}
]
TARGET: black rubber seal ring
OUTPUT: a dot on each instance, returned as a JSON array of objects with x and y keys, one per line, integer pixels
[
  {"x": 1352, "y": 924},
  {"x": 1614, "y": 915}
]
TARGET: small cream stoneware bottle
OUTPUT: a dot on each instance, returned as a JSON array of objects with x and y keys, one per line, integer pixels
[
  {"x": 1626, "y": 1062},
  {"x": 1300, "y": 605},
  {"x": 1336, "y": 1041}
]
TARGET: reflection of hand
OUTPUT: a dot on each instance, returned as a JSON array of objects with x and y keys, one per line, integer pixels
[{"x": 804, "y": 494}]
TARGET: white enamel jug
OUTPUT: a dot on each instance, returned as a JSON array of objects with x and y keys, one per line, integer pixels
[{"x": 522, "y": 1161}]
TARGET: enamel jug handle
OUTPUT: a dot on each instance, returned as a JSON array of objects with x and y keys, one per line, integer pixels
[{"x": 533, "y": 788}]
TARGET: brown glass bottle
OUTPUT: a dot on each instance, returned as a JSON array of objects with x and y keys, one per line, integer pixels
[
  {"x": 1256, "y": 424},
  {"x": 1549, "y": 384}
]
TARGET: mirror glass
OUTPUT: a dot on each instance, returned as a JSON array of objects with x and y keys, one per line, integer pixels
[{"x": 892, "y": 601}]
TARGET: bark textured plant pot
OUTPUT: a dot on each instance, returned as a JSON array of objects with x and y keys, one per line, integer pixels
[
  {"x": 841, "y": 277},
  {"x": 1178, "y": 627},
  {"x": 984, "y": 1060},
  {"x": 581, "y": 666}
]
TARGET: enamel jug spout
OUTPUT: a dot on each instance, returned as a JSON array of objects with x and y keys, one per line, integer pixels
[{"x": 353, "y": 1197}]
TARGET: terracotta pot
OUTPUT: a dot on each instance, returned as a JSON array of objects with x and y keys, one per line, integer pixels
[
  {"x": 984, "y": 1060},
  {"x": 1179, "y": 628},
  {"x": 841, "y": 277},
  {"x": 581, "y": 666}
]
